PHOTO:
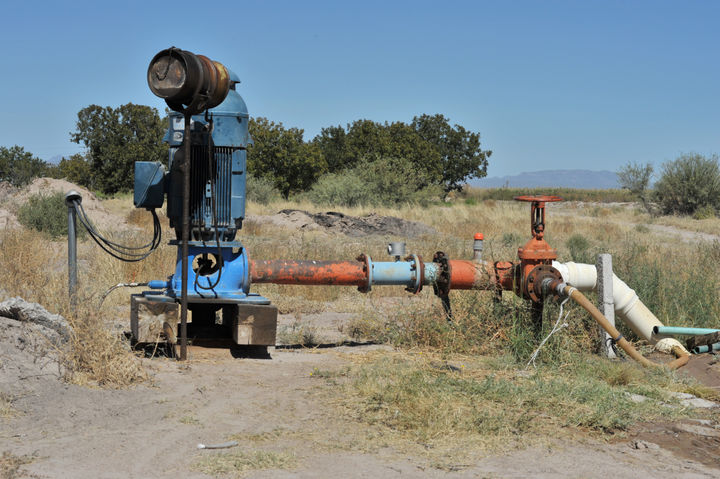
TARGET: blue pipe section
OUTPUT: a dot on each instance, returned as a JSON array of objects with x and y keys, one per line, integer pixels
[
  {"x": 158, "y": 284},
  {"x": 683, "y": 331},
  {"x": 401, "y": 273},
  {"x": 706, "y": 349},
  {"x": 391, "y": 273}
]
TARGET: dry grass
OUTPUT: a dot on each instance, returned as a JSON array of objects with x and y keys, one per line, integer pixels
[
  {"x": 6, "y": 408},
  {"x": 449, "y": 409},
  {"x": 568, "y": 194},
  {"x": 11, "y": 465},
  {"x": 96, "y": 354},
  {"x": 241, "y": 463},
  {"x": 674, "y": 279},
  {"x": 35, "y": 269}
]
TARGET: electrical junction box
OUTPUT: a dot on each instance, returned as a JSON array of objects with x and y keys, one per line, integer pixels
[{"x": 149, "y": 188}]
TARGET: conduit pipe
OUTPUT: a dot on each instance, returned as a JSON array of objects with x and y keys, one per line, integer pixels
[
  {"x": 628, "y": 306},
  {"x": 682, "y": 331},
  {"x": 706, "y": 348}
]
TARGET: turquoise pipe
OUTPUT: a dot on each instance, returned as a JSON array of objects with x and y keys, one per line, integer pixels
[
  {"x": 683, "y": 331},
  {"x": 706, "y": 349}
]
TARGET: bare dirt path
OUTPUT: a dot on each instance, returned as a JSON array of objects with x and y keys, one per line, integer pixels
[
  {"x": 575, "y": 208},
  {"x": 274, "y": 405}
]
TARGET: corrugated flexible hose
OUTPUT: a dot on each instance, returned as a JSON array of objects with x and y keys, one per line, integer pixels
[{"x": 682, "y": 356}]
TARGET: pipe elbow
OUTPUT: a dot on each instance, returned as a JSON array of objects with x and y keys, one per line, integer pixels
[{"x": 624, "y": 296}]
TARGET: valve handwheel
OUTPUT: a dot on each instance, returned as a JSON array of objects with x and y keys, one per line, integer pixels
[{"x": 537, "y": 212}]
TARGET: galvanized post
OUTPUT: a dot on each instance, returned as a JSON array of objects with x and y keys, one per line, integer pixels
[
  {"x": 70, "y": 198},
  {"x": 605, "y": 298}
]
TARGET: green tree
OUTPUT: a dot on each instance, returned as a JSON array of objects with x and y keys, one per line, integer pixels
[
  {"x": 689, "y": 183},
  {"x": 366, "y": 139},
  {"x": 117, "y": 137},
  {"x": 76, "y": 169},
  {"x": 333, "y": 143},
  {"x": 636, "y": 178},
  {"x": 20, "y": 167},
  {"x": 443, "y": 154},
  {"x": 280, "y": 154},
  {"x": 461, "y": 156}
]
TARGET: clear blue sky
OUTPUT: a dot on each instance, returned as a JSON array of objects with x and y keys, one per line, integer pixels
[{"x": 548, "y": 84}]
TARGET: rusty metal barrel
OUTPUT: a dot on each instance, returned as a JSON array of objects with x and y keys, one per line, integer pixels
[{"x": 188, "y": 83}]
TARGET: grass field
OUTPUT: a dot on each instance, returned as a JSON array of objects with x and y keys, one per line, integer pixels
[{"x": 467, "y": 377}]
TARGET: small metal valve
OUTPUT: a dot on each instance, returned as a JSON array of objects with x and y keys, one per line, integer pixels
[{"x": 396, "y": 249}]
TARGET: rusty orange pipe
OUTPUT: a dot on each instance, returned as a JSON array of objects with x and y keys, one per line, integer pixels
[
  {"x": 463, "y": 274},
  {"x": 471, "y": 275},
  {"x": 339, "y": 273}
]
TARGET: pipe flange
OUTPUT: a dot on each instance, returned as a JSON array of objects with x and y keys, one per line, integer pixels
[
  {"x": 368, "y": 268},
  {"x": 537, "y": 278},
  {"x": 419, "y": 267},
  {"x": 442, "y": 282}
]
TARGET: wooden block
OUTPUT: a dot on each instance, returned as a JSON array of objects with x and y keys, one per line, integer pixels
[
  {"x": 252, "y": 325},
  {"x": 152, "y": 321}
]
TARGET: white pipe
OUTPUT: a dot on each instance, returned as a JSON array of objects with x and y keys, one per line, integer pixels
[{"x": 628, "y": 306}]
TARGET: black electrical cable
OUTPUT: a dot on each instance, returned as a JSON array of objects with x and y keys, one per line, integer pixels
[
  {"x": 124, "y": 253},
  {"x": 120, "y": 249},
  {"x": 119, "y": 253},
  {"x": 88, "y": 224}
]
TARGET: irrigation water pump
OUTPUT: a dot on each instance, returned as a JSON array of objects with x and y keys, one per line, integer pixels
[{"x": 205, "y": 189}]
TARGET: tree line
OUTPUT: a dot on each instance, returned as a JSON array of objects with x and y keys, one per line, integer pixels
[
  {"x": 364, "y": 162},
  {"x": 427, "y": 152}
]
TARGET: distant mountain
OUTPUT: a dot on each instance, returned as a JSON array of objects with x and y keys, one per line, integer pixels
[
  {"x": 56, "y": 159},
  {"x": 582, "y": 179}
]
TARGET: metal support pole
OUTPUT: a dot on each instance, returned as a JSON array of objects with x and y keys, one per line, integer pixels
[
  {"x": 606, "y": 305},
  {"x": 70, "y": 197},
  {"x": 185, "y": 237}
]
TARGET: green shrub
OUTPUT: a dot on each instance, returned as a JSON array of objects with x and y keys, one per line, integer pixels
[
  {"x": 261, "y": 190},
  {"x": 688, "y": 184},
  {"x": 375, "y": 182},
  {"x": 704, "y": 212},
  {"x": 46, "y": 213},
  {"x": 344, "y": 189}
]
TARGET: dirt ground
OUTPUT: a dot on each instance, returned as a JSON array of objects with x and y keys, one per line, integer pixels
[
  {"x": 272, "y": 404},
  {"x": 334, "y": 222},
  {"x": 275, "y": 404}
]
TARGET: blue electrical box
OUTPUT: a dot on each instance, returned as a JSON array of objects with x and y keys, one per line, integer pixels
[{"x": 149, "y": 191}]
